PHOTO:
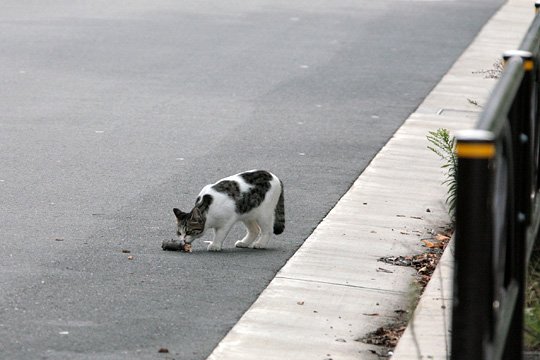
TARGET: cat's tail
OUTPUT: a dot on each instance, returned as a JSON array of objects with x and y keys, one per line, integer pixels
[{"x": 279, "y": 213}]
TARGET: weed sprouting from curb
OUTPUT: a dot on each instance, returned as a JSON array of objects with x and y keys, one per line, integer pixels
[
  {"x": 443, "y": 145},
  {"x": 495, "y": 72}
]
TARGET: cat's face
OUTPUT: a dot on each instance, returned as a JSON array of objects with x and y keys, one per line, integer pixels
[{"x": 190, "y": 226}]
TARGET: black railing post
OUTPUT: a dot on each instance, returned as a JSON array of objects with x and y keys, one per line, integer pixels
[
  {"x": 521, "y": 117},
  {"x": 472, "y": 316},
  {"x": 522, "y": 120}
]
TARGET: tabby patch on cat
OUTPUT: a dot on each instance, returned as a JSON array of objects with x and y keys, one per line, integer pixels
[{"x": 254, "y": 198}]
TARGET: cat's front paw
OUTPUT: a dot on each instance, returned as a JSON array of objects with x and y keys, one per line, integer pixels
[
  {"x": 213, "y": 247},
  {"x": 241, "y": 244},
  {"x": 258, "y": 245}
]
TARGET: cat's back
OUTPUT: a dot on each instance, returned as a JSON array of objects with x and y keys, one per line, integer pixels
[
  {"x": 244, "y": 182},
  {"x": 246, "y": 190}
]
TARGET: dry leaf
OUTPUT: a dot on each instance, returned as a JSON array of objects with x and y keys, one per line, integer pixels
[
  {"x": 428, "y": 243},
  {"x": 441, "y": 237},
  {"x": 433, "y": 244}
]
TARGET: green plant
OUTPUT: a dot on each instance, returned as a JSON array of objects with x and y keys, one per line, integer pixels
[
  {"x": 443, "y": 145},
  {"x": 532, "y": 305}
]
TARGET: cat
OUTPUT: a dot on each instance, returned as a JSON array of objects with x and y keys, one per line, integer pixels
[{"x": 253, "y": 197}]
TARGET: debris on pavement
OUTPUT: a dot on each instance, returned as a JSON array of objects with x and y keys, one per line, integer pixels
[
  {"x": 424, "y": 263},
  {"x": 386, "y": 336}
]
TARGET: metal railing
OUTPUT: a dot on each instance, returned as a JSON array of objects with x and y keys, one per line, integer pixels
[{"x": 498, "y": 211}]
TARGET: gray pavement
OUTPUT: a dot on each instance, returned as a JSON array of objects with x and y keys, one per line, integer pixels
[
  {"x": 332, "y": 292},
  {"x": 112, "y": 114}
]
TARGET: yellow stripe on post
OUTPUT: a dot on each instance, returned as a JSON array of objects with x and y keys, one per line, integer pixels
[
  {"x": 526, "y": 56},
  {"x": 472, "y": 150},
  {"x": 528, "y": 65}
]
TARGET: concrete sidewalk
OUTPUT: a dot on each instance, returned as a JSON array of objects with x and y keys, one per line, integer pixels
[{"x": 334, "y": 291}]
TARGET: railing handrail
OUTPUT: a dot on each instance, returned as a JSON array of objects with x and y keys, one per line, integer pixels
[{"x": 531, "y": 41}]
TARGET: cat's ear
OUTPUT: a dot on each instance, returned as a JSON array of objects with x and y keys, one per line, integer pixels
[
  {"x": 178, "y": 213},
  {"x": 196, "y": 215}
]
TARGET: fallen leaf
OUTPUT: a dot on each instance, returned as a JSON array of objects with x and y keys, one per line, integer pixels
[
  {"x": 428, "y": 243},
  {"x": 433, "y": 244},
  {"x": 441, "y": 237}
]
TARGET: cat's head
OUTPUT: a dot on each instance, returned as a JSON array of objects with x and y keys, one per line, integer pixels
[{"x": 190, "y": 225}]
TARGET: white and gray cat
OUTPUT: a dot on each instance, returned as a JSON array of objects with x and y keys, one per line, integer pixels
[{"x": 253, "y": 197}]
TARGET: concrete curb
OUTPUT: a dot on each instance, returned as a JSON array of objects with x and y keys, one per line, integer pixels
[{"x": 334, "y": 291}]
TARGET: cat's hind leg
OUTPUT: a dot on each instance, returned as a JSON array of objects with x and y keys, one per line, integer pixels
[
  {"x": 266, "y": 234},
  {"x": 252, "y": 234}
]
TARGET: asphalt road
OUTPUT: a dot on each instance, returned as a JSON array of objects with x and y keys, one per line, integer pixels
[{"x": 114, "y": 112}]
